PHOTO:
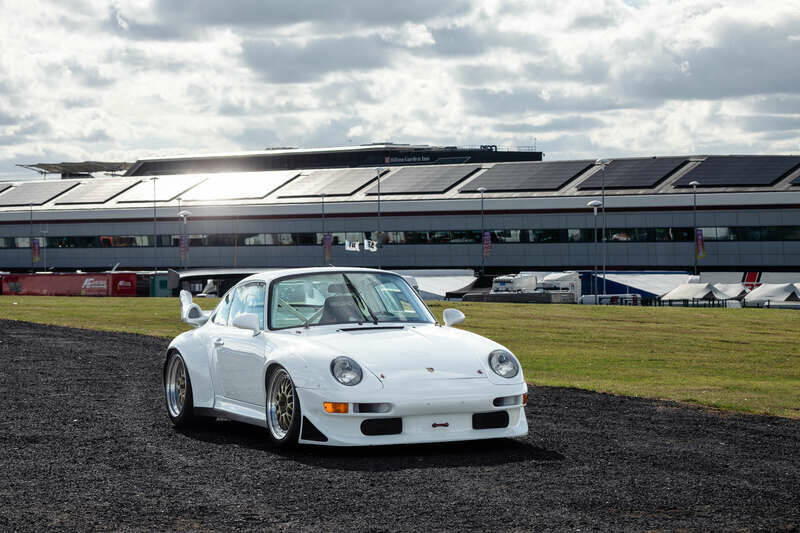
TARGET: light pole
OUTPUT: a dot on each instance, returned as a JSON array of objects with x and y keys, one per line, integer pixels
[
  {"x": 154, "y": 179},
  {"x": 184, "y": 228},
  {"x": 594, "y": 204},
  {"x": 324, "y": 243},
  {"x": 603, "y": 164},
  {"x": 694, "y": 185},
  {"x": 185, "y": 239},
  {"x": 379, "y": 171},
  {"x": 30, "y": 239},
  {"x": 482, "y": 190}
]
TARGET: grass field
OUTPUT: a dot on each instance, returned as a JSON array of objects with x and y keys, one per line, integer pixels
[{"x": 745, "y": 360}]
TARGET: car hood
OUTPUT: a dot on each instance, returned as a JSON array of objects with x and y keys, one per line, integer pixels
[{"x": 420, "y": 352}]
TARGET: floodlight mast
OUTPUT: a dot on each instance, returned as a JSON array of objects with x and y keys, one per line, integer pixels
[
  {"x": 603, "y": 163},
  {"x": 594, "y": 204},
  {"x": 30, "y": 239},
  {"x": 694, "y": 185},
  {"x": 154, "y": 179},
  {"x": 184, "y": 214},
  {"x": 378, "y": 172},
  {"x": 482, "y": 190}
]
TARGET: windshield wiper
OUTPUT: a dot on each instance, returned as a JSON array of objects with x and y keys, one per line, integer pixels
[{"x": 359, "y": 299}]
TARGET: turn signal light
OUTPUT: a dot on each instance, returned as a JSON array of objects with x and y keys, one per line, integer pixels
[
  {"x": 525, "y": 399},
  {"x": 336, "y": 407}
]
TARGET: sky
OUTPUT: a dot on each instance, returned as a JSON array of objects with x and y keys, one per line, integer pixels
[{"x": 112, "y": 81}]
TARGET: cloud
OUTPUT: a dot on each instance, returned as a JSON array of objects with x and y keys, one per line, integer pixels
[
  {"x": 566, "y": 123},
  {"x": 459, "y": 41},
  {"x": 130, "y": 79},
  {"x": 760, "y": 123},
  {"x": 7, "y": 119},
  {"x": 593, "y": 22},
  {"x": 778, "y": 104},
  {"x": 118, "y": 23},
  {"x": 288, "y": 62},
  {"x": 521, "y": 101},
  {"x": 265, "y": 13},
  {"x": 744, "y": 59}
]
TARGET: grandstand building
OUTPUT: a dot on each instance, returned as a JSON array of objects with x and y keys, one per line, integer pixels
[{"x": 431, "y": 206}]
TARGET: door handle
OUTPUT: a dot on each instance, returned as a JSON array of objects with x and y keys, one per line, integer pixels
[{"x": 218, "y": 341}]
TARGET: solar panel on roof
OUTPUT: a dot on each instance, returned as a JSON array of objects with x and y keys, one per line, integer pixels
[
  {"x": 519, "y": 177},
  {"x": 740, "y": 171},
  {"x": 4, "y": 186},
  {"x": 36, "y": 192},
  {"x": 243, "y": 186},
  {"x": 339, "y": 182},
  {"x": 424, "y": 180},
  {"x": 97, "y": 191},
  {"x": 796, "y": 181},
  {"x": 634, "y": 173},
  {"x": 167, "y": 188}
]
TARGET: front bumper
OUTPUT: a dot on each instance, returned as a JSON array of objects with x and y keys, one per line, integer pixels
[{"x": 436, "y": 414}]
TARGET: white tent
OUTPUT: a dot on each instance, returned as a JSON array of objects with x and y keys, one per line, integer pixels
[
  {"x": 691, "y": 291},
  {"x": 654, "y": 284},
  {"x": 706, "y": 291},
  {"x": 434, "y": 284},
  {"x": 774, "y": 292},
  {"x": 731, "y": 291}
]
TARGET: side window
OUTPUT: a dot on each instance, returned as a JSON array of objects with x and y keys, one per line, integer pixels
[
  {"x": 221, "y": 316},
  {"x": 249, "y": 299}
]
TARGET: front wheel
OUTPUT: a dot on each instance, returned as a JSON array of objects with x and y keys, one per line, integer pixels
[
  {"x": 178, "y": 391},
  {"x": 283, "y": 409}
]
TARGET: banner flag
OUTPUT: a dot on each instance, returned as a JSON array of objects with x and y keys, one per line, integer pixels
[
  {"x": 487, "y": 243},
  {"x": 352, "y": 246},
  {"x": 184, "y": 247},
  {"x": 371, "y": 246},
  {"x": 700, "y": 249},
  {"x": 36, "y": 250},
  {"x": 327, "y": 241}
]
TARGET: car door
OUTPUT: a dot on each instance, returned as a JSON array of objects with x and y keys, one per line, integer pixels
[
  {"x": 217, "y": 327},
  {"x": 242, "y": 354}
]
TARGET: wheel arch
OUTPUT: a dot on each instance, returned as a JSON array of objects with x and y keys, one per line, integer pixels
[{"x": 197, "y": 363}]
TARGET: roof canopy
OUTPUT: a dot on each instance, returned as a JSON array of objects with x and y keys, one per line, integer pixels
[{"x": 84, "y": 167}]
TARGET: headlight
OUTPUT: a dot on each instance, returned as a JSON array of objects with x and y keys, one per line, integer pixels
[
  {"x": 503, "y": 364},
  {"x": 346, "y": 371}
]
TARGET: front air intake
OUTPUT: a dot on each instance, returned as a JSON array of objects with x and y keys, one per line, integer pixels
[
  {"x": 382, "y": 426},
  {"x": 310, "y": 432},
  {"x": 493, "y": 420}
]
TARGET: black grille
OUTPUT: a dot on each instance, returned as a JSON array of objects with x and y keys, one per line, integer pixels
[
  {"x": 382, "y": 426},
  {"x": 310, "y": 432},
  {"x": 494, "y": 420}
]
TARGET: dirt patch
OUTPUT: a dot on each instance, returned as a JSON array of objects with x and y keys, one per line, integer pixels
[{"x": 85, "y": 444}]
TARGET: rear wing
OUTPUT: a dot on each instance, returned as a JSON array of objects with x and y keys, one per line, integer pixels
[{"x": 191, "y": 312}]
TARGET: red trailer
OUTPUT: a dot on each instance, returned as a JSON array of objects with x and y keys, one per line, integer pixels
[{"x": 100, "y": 284}]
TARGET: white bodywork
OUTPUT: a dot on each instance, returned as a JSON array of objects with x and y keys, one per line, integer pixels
[{"x": 433, "y": 377}]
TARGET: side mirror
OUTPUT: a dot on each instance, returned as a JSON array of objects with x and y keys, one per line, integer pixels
[
  {"x": 248, "y": 321},
  {"x": 453, "y": 317}
]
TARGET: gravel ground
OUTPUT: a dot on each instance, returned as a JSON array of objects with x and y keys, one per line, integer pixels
[{"x": 85, "y": 444}]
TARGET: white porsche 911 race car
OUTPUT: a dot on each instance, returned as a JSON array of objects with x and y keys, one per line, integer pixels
[{"x": 341, "y": 357}]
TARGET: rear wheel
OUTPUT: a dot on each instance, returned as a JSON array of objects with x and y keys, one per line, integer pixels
[
  {"x": 283, "y": 409},
  {"x": 178, "y": 391}
]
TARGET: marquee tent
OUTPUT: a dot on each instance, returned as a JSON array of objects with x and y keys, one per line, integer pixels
[{"x": 775, "y": 292}]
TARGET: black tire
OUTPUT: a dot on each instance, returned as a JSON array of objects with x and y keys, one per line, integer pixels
[
  {"x": 178, "y": 391},
  {"x": 282, "y": 409}
]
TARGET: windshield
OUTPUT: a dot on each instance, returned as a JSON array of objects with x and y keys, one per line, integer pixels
[{"x": 344, "y": 298}]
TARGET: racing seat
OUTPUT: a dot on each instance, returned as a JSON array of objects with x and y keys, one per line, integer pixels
[{"x": 340, "y": 308}]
